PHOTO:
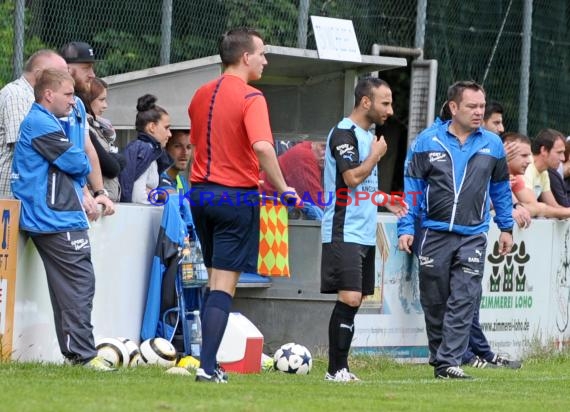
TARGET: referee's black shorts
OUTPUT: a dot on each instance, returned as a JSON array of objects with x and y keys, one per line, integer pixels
[
  {"x": 347, "y": 266},
  {"x": 227, "y": 223}
]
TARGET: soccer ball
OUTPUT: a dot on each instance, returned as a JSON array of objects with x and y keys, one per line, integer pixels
[
  {"x": 158, "y": 351},
  {"x": 293, "y": 358},
  {"x": 135, "y": 358},
  {"x": 113, "y": 351}
]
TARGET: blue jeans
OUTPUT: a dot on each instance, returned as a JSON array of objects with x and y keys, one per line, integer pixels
[{"x": 478, "y": 344}]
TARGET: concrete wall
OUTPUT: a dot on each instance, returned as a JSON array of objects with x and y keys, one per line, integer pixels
[
  {"x": 526, "y": 295},
  {"x": 122, "y": 250}
]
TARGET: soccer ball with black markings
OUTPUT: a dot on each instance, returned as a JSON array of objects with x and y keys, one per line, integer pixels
[
  {"x": 293, "y": 358},
  {"x": 113, "y": 351},
  {"x": 158, "y": 351},
  {"x": 135, "y": 358}
]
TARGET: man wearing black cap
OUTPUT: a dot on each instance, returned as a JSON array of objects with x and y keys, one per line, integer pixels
[{"x": 80, "y": 60}]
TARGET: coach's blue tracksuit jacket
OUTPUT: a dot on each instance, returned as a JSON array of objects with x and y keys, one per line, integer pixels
[
  {"x": 47, "y": 175},
  {"x": 448, "y": 185}
]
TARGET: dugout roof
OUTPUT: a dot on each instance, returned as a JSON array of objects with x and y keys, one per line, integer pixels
[{"x": 306, "y": 95}]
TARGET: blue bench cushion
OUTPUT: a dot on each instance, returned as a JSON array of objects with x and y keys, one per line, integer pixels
[{"x": 253, "y": 278}]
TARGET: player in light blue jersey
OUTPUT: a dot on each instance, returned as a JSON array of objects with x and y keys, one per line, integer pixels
[{"x": 349, "y": 221}]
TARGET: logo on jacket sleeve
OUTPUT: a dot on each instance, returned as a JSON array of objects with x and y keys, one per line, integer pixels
[
  {"x": 437, "y": 157},
  {"x": 346, "y": 151}
]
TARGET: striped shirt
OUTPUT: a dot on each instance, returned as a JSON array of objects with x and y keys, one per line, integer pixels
[{"x": 16, "y": 99}]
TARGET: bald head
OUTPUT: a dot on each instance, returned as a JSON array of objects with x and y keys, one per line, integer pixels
[{"x": 41, "y": 60}]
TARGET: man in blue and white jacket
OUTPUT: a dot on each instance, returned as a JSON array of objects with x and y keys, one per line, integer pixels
[
  {"x": 48, "y": 174},
  {"x": 453, "y": 171}
]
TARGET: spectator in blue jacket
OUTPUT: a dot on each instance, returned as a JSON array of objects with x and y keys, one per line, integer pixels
[{"x": 48, "y": 174}]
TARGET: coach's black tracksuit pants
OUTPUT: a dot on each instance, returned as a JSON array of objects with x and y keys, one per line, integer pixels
[
  {"x": 450, "y": 272},
  {"x": 71, "y": 283}
]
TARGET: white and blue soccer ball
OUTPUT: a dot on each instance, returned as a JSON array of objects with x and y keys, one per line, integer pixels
[{"x": 293, "y": 358}]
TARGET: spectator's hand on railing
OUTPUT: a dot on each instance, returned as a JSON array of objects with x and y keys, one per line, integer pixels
[
  {"x": 90, "y": 206},
  {"x": 522, "y": 216},
  {"x": 108, "y": 205}
]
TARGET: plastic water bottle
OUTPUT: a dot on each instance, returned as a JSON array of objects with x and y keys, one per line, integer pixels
[
  {"x": 196, "y": 334},
  {"x": 200, "y": 272},
  {"x": 187, "y": 264}
]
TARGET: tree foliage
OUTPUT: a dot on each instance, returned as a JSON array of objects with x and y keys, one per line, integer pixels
[{"x": 7, "y": 41}]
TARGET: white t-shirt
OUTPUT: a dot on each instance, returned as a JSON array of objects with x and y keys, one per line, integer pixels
[{"x": 148, "y": 180}]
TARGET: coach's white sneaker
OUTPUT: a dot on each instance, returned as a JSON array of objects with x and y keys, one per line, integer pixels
[{"x": 342, "y": 375}]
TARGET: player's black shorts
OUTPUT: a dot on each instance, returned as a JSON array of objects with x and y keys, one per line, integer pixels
[{"x": 347, "y": 266}]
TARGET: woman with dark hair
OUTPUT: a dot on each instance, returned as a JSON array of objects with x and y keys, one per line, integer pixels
[
  {"x": 103, "y": 137},
  {"x": 141, "y": 174}
]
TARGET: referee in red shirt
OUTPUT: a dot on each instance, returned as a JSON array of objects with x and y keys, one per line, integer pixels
[{"x": 231, "y": 138}]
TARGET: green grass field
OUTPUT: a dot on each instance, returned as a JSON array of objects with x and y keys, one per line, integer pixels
[{"x": 543, "y": 384}]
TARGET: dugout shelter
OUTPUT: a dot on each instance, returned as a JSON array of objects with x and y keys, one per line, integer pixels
[{"x": 306, "y": 96}]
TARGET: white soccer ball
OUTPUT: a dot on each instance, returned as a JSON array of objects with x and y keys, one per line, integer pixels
[
  {"x": 293, "y": 358},
  {"x": 113, "y": 351},
  {"x": 158, "y": 351},
  {"x": 135, "y": 358}
]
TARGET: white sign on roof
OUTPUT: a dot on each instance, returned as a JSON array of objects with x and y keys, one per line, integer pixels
[{"x": 336, "y": 39}]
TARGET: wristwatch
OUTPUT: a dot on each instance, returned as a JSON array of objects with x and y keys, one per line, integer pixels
[
  {"x": 509, "y": 230},
  {"x": 101, "y": 192}
]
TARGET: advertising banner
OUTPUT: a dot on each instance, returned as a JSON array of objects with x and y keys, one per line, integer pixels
[
  {"x": 525, "y": 294},
  {"x": 524, "y": 304},
  {"x": 8, "y": 262}
]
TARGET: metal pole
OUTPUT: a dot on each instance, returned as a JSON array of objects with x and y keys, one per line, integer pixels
[
  {"x": 166, "y": 32},
  {"x": 525, "y": 66},
  {"x": 419, "y": 40},
  {"x": 18, "y": 58},
  {"x": 302, "y": 24}
]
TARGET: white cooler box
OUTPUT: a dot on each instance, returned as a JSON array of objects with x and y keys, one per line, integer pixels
[{"x": 241, "y": 347}]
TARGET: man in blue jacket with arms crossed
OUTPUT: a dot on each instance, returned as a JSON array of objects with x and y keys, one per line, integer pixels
[
  {"x": 458, "y": 168},
  {"x": 48, "y": 174}
]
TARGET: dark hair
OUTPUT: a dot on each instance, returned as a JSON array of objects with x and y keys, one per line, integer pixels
[
  {"x": 365, "y": 86},
  {"x": 492, "y": 107},
  {"x": 174, "y": 135},
  {"x": 50, "y": 79},
  {"x": 234, "y": 43},
  {"x": 445, "y": 112},
  {"x": 546, "y": 138},
  {"x": 455, "y": 91},
  {"x": 148, "y": 112},
  {"x": 515, "y": 137},
  {"x": 96, "y": 88}
]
